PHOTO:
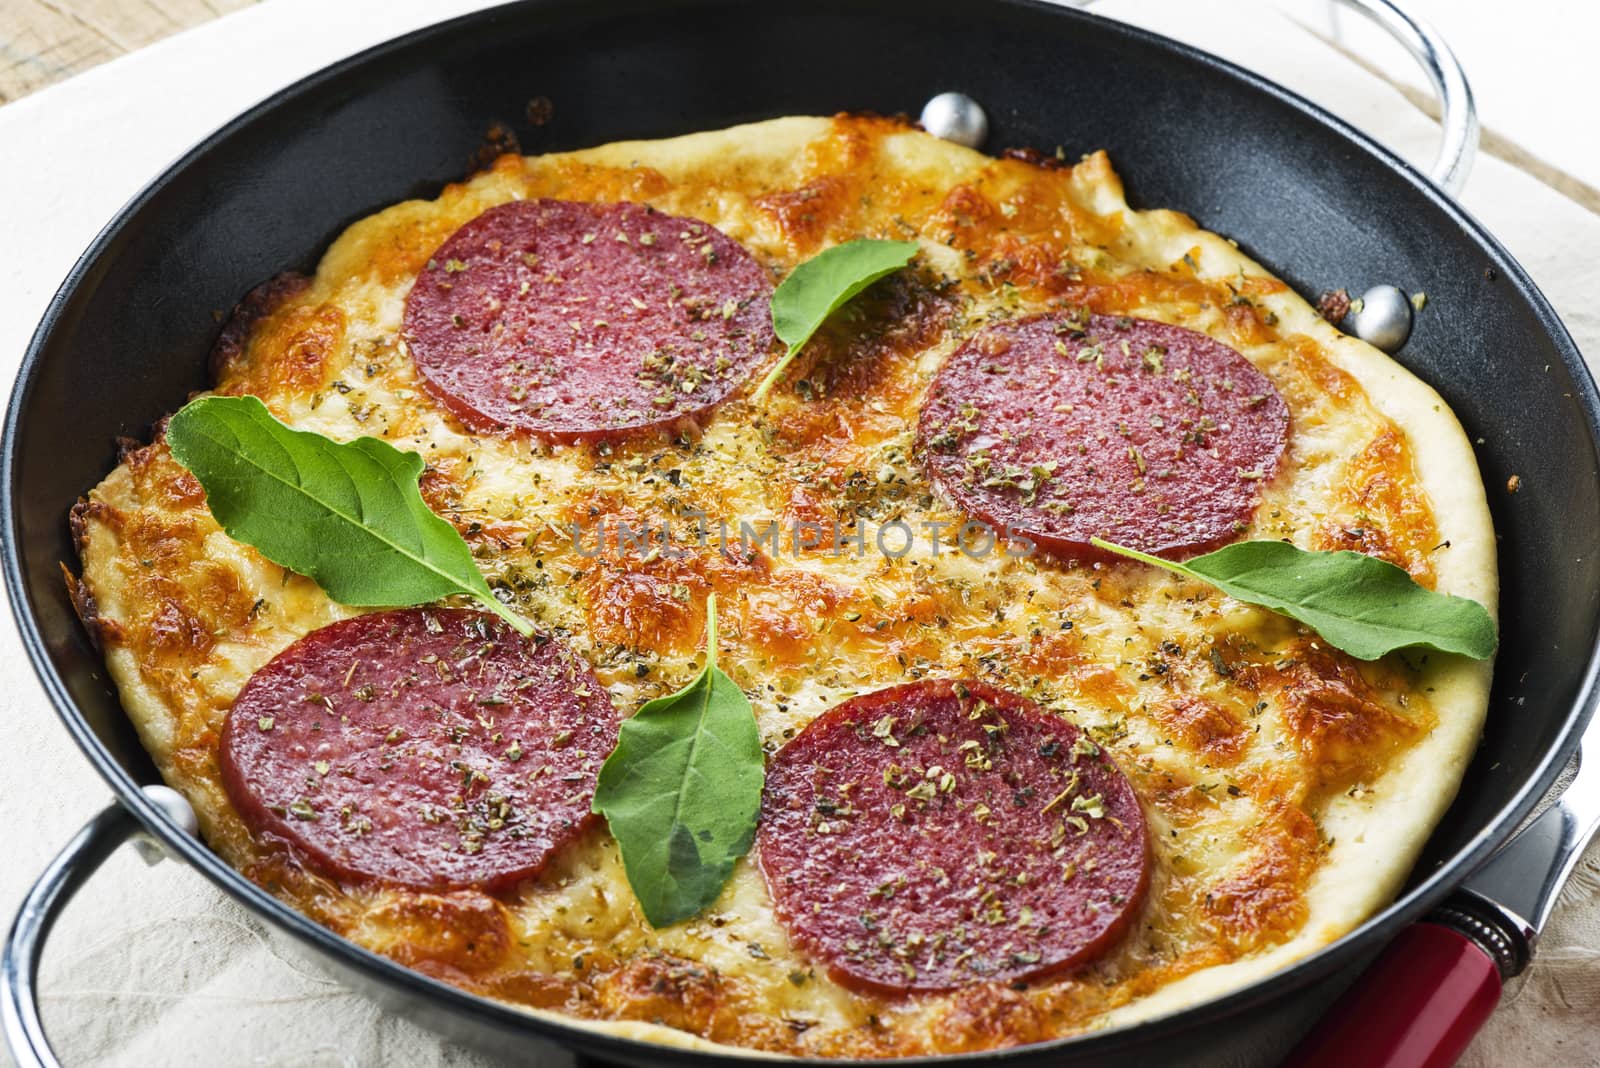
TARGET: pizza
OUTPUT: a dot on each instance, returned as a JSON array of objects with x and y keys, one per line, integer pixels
[{"x": 1016, "y": 788}]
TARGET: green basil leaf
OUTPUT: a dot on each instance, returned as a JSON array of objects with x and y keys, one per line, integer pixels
[
  {"x": 821, "y": 286},
  {"x": 348, "y": 516},
  {"x": 1358, "y": 603},
  {"x": 682, "y": 791}
]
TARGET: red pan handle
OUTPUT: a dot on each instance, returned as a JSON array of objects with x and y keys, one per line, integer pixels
[{"x": 1418, "y": 1006}]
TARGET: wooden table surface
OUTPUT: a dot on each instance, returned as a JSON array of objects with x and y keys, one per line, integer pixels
[{"x": 44, "y": 41}]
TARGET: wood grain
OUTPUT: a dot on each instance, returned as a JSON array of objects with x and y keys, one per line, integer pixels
[{"x": 44, "y": 41}]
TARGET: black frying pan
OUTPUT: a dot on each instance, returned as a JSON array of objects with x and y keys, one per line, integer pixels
[{"x": 125, "y": 340}]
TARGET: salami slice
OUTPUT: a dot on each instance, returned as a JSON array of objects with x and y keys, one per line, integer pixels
[
  {"x": 1062, "y": 428},
  {"x": 427, "y": 748},
  {"x": 575, "y": 321},
  {"x": 933, "y": 835}
]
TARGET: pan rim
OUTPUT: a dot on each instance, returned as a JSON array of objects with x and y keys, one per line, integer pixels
[{"x": 1364, "y": 939}]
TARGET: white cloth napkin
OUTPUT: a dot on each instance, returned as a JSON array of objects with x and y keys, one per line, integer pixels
[{"x": 152, "y": 966}]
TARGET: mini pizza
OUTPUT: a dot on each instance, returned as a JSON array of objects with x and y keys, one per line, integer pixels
[{"x": 1016, "y": 785}]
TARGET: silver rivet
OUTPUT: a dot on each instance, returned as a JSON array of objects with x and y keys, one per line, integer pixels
[
  {"x": 175, "y": 805},
  {"x": 1384, "y": 320},
  {"x": 178, "y": 810},
  {"x": 956, "y": 117}
]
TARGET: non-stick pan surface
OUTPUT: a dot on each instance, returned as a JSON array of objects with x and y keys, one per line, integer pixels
[{"x": 126, "y": 339}]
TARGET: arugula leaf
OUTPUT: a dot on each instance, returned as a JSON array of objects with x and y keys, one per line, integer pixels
[
  {"x": 1365, "y": 606},
  {"x": 348, "y": 516},
  {"x": 682, "y": 790},
  {"x": 820, "y": 286}
]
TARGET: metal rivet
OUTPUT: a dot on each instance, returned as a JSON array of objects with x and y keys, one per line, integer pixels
[
  {"x": 956, "y": 117},
  {"x": 1384, "y": 320},
  {"x": 175, "y": 805},
  {"x": 178, "y": 810}
]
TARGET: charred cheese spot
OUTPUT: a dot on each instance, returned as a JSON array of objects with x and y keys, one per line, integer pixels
[
  {"x": 294, "y": 348},
  {"x": 643, "y": 593},
  {"x": 979, "y": 1013},
  {"x": 666, "y": 990},
  {"x": 804, "y": 215},
  {"x": 1382, "y": 513},
  {"x": 1340, "y": 720},
  {"x": 462, "y": 933},
  {"x": 227, "y": 353},
  {"x": 564, "y": 178},
  {"x": 1099, "y": 685},
  {"x": 1204, "y": 727},
  {"x": 1245, "y": 324},
  {"x": 642, "y": 610},
  {"x": 783, "y": 620},
  {"x": 1264, "y": 898},
  {"x": 442, "y": 483}
]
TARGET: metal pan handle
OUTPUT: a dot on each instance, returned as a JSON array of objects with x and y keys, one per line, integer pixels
[
  {"x": 1458, "y": 114},
  {"x": 19, "y": 961},
  {"x": 1418, "y": 1007}
]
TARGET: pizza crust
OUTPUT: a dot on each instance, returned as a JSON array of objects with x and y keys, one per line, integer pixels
[{"x": 184, "y": 623}]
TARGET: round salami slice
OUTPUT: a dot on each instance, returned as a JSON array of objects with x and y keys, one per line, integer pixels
[
  {"x": 933, "y": 835},
  {"x": 427, "y": 748},
  {"x": 1062, "y": 428},
  {"x": 574, "y": 321}
]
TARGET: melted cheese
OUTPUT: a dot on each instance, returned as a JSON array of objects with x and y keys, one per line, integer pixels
[{"x": 1288, "y": 787}]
